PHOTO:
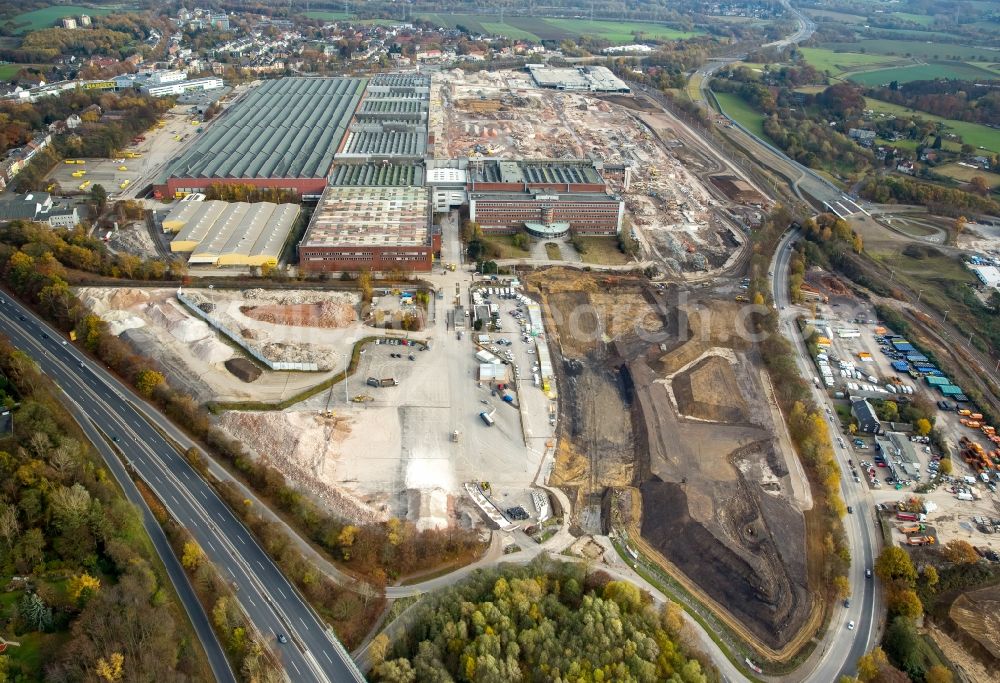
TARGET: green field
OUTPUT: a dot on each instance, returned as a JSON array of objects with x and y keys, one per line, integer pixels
[
  {"x": 836, "y": 63},
  {"x": 923, "y": 72},
  {"x": 974, "y": 134},
  {"x": 922, "y": 19},
  {"x": 326, "y": 15},
  {"x": 965, "y": 174},
  {"x": 8, "y": 71},
  {"x": 916, "y": 48},
  {"x": 619, "y": 31},
  {"x": 842, "y": 17},
  {"x": 736, "y": 108},
  {"x": 47, "y": 17},
  {"x": 539, "y": 28},
  {"x": 507, "y": 30}
]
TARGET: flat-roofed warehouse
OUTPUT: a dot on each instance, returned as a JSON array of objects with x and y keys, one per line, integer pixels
[
  {"x": 283, "y": 134},
  {"x": 370, "y": 228},
  {"x": 231, "y": 234}
]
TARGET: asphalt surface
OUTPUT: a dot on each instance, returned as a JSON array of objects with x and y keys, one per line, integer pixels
[
  {"x": 175, "y": 572},
  {"x": 272, "y": 604},
  {"x": 843, "y": 647}
]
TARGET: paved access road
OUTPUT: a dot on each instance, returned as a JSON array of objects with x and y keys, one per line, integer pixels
[
  {"x": 842, "y": 647},
  {"x": 272, "y": 604}
]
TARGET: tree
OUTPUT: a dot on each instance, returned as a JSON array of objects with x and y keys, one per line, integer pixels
[
  {"x": 945, "y": 466},
  {"x": 930, "y": 574},
  {"x": 959, "y": 225},
  {"x": 842, "y": 586},
  {"x": 82, "y": 586},
  {"x": 960, "y": 552},
  {"x": 870, "y": 663},
  {"x": 979, "y": 185},
  {"x": 100, "y": 198},
  {"x": 35, "y": 614},
  {"x": 365, "y": 285},
  {"x": 894, "y": 565},
  {"x": 147, "y": 381},
  {"x": 923, "y": 426},
  {"x": 905, "y": 603},
  {"x": 378, "y": 649},
  {"x": 938, "y": 674},
  {"x": 110, "y": 669},
  {"x": 192, "y": 556},
  {"x": 890, "y": 411}
]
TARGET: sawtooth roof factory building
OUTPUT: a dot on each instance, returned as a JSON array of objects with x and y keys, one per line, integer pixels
[
  {"x": 283, "y": 134},
  {"x": 230, "y": 234}
]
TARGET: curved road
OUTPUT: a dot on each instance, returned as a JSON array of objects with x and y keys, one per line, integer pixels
[
  {"x": 271, "y": 603},
  {"x": 843, "y": 647}
]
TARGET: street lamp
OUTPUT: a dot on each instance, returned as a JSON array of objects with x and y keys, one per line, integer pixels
[
  {"x": 920, "y": 293},
  {"x": 945, "y": 317}
]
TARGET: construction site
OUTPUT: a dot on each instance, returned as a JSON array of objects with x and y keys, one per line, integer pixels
[
  {"x": 283, "y": 326},
  {"x": 666, "y": 410},
  {"x": 680, "y": 219}
]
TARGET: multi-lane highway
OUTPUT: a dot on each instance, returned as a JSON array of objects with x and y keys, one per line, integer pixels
[
  {"x": 843, "y": 647},
  {"x": 272, "y": 604}
]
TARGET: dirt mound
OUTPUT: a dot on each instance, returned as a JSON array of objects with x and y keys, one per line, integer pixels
[
  {"x": 708, "y": 391},
  {"x": 750, "y": 580},
  {"x": 322, "y": 314},
  {"x": 243, "y": 369},
  {"x": 976, "y": 614}
]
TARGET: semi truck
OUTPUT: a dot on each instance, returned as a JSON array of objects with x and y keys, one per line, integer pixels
[
  {"x": 910, "y": 517},
  {"x": 384, "y": 382}
]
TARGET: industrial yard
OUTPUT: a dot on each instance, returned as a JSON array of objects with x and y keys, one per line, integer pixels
[{"x": 504, "y": 114}]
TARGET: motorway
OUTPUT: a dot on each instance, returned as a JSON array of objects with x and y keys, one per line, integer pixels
[
  {"x": 273, "y": 606},
  {"x": 844, "y": 647}
]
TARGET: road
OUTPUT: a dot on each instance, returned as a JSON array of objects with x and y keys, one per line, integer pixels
[
  {"x": 843, "y": 647},
  {"x": 271, "y": 603},
  {"x": 175, "y": 572}
]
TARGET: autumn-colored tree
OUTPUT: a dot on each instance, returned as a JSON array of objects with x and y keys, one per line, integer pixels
[
  {"x": 960, "y": 552},
  {"x": 894, "y": 565},
  {"x": 922, "y": 426},
  {"x": 110, "y": 669},
  {"x": 905, "y": 602},
  {"x": 945, "y": 466},
  {"x": 147, "y": 381},
  {"x": 938, "y": 674},
  {"x": 930, "y": 575},
  {"x": 870, "y": 663},
  {"x": 82, "y": 586},
  {"x": 959, "y": 225},
  {"x": 191, "y": 556},
  {"x": 841, "y": 586},
  {"x": 378, "y": 649},
  {"x": 979, "y": 185}
]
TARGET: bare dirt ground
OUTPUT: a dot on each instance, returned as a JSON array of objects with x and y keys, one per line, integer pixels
[
  {"x": 192, "y": 354},
  {"x": 678, "y": 407},
  {"x": 958, "y": 655},
  {"x": 503, "y": 114}
]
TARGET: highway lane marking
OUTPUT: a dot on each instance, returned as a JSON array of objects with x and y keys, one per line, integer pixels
[
  {"x": 222, "y": 517},
  {"x": 211, "y": 546},
  {"x": 259, "y": 565},
  {"x": 304, "y": 624},
  {"x": 282, "y": 592},
  {"x": 327, "y": 657},
  {"x": 251, "y": 601},
  {"x": 240, "y": 539},
  {"x": 292, "y": 661},
  {"x": 174, "y": 498},
  {"x": 202, "y": 492}
]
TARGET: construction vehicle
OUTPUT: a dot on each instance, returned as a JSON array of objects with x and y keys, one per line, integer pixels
[
  {"x": 123, "y": 168},
  {"x": 69, "y": 161},
  {"x": 740, "y": 299},
  {"x": 78, "y": 174},
  {"x": 920, "y": 540},
  {"x": 487, "y": 418},
  {"x": 909, "y": 517},
  {"x": 965, "y": 411},
  {"x": 384, "y": 382},
  {"x": 362, "y": 398},
  {"x": 912, "y": 528},
  {"x": 124, "y": 183}
]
